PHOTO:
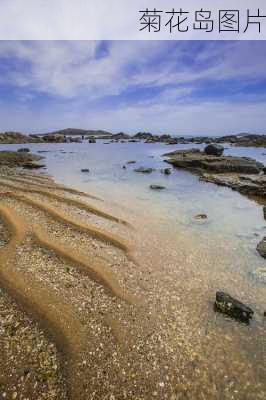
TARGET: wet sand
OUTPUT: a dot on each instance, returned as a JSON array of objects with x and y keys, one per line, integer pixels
[{"x": 125, "y": 302}]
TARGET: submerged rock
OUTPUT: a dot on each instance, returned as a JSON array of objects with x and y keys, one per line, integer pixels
[
  {"x": 232, "y": 307},
  {"x": 32, "y": 165},
  {"x": 214, "y": 150},
  {"x": 157, "y": 187},
  {"x": 24, "y": 150},
  {"x": 201, "y": 216},
  {"x": 261, "y": 247},
  {"x": 144, "y": 170},
  {"x": 166, "y": 171}
]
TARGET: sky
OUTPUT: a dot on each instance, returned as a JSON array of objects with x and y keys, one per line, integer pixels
[{"x": 175, "y": 87}]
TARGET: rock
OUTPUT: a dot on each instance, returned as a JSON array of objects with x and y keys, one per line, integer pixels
[
  {"x": 124, "y": 167},
  {"x": 17, "y": 159},
  {"x": 85, "y": 170},
  {"x": 201, "y": 216},
  {"x": 166, "y": 171},
  {"x": 261, "y": 247},
  {"x": 54, "y": 138},
  {"x": 143, "y": 135},
  {"x": 250, "y": 185},
  {"x": 131, "y": 162},
  {"x": 264, "y": 313},
  {"x": 24, "y": 150},
  {"x": 199, "y": 161},
  {"x": 152, "y": 140},
  {"x": 214, "y": 150},
  {"x": 32, "y": 165},
  {"x": 242, "y": 174},
  {"x": 121, "y": 135},
  {"x": 144, "y": 170},
  {"x": 157, "y": 187},
  {"x": 264, "y": 212},
  {"x": 92, "y": 140},
  {"x": 232, "y": 307}
]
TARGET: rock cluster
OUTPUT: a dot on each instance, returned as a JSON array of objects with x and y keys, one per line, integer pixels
[{"x": 201, "y": 161}]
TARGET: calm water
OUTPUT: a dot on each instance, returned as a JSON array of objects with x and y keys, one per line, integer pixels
[
  {"x": 231, "y": 216},
  {"x": 200, "y": 257}
]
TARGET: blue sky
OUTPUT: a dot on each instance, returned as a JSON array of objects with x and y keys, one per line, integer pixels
[{"x": 183, "y": 88}]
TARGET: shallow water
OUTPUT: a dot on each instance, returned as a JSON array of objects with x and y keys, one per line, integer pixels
[{"x": 197, "y": 257}]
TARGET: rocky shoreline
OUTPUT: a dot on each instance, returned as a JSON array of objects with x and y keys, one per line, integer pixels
[
  {"x": 108, "y": 322},
  {"x": 80, "y": 135},
  {"x": 242, "y": 174}
]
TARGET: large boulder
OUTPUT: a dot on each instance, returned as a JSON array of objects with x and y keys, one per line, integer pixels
[
  {"x": 214, "y": 150},
  {"x": 232, "y": 307},
  {"x": 157, "y": 187}
]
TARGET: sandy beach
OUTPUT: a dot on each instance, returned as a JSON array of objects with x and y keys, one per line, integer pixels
[{"x": 91, "y": 309}]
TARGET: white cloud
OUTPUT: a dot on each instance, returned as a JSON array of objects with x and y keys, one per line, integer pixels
[
  {"x": 75, "y": 71},
  {"x": 202, "y": 118}
]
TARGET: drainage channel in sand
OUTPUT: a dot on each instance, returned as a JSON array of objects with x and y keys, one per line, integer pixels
[
  {"x": 57, "y": 318},
  {"x": 50, "y": 185},
  {"x": 79, "y": 204}
]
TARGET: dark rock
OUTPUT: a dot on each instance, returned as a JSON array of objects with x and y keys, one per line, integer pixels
[
  {"x": 32, "y": 165},
  {"x": 166, "y": 171},
  {"x": 201, "y": 216},
  {"x": 261, "y": 247},
  {"x": 264, "y": 313},
  {"x": 144, "y": 170},
  {"x": 24, "y": 150},
  {"x": 232, "y": 307},
  {"x": 124, "y": 167},
  {"x": 157, "y": 187},
  {"x": 92, "y": 140},
  {"x": 214, "y": 150},
  {"x": 131, "y": 162},
  {"x": 85, "y": 170},
  {"x": 264, "y": 212}
]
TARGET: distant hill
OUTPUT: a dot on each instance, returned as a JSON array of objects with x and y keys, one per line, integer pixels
[{"x": 79, "y": 132}]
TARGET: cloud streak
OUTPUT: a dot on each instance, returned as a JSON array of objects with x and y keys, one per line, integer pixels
[{"x": 125, "y": 85}]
